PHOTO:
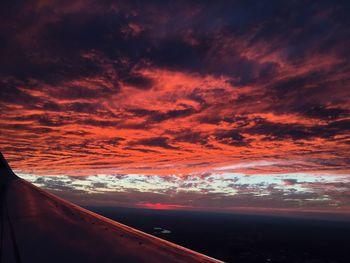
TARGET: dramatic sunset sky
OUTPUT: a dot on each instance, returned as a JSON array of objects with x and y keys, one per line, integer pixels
[{"x": 200, "y": 105}]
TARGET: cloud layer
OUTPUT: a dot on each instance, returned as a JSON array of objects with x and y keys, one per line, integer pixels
[
  {"x": 298, "y": 192},
  {"x": 105, "y": 87}
]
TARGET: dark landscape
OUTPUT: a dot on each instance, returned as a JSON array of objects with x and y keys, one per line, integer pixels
[{"x": 243, "y": 238}]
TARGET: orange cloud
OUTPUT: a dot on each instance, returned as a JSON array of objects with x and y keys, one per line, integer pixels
[
  {"x": 98, "y": 88},
  {"x": 159, "y": 206}
]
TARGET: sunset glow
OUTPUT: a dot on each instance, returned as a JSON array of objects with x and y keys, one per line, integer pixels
[
  {"x": 177, "y": 106},
  {"x": 159, "y": 206}
]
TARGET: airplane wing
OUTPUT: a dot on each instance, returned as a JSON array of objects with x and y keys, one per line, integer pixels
[{"x": 36, "y": 226}]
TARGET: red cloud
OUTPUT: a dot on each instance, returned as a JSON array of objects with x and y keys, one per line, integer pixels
[
  {"x": 159, "y": 206},
  {"x": 99, "y": 88}
]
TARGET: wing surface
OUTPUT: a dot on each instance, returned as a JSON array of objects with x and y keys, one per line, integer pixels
[{"x": 37, "y": 226}]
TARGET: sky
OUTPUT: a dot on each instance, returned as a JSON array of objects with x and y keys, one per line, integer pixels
[{"x": 194, "y": 105}]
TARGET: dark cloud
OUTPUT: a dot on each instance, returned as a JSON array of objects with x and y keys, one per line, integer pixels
[
  {"x": 161, "y": 142},
  {"x": 323, "y": 113},
  {"x": 232, "y": 137},
  {"x": 190, "y": 136},
  {"x": 139, "y": 81},
  {"x": 278, "y": 131},
  {"x": 157, "y": 116},
  {"x": 81, "y": 107},
  {"x": 11, "y": 92},
  {"x": 80, "y": 92},
  {"x": 172, "y": 114}
]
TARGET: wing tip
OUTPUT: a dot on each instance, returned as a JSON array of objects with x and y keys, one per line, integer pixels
[{"x": 5, "y": 168}]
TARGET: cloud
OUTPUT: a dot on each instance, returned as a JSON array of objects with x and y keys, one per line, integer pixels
[
  {"x": 91, "y": 87},
  {"x": 138, "y": 81},
  {"x": 246, "y": 165},
  {"x": 159, "y": 206},
  {"x": 161, "y": 142},
  {"x": 219, "y": 191},
  {"x": 290, "y": 181}
]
